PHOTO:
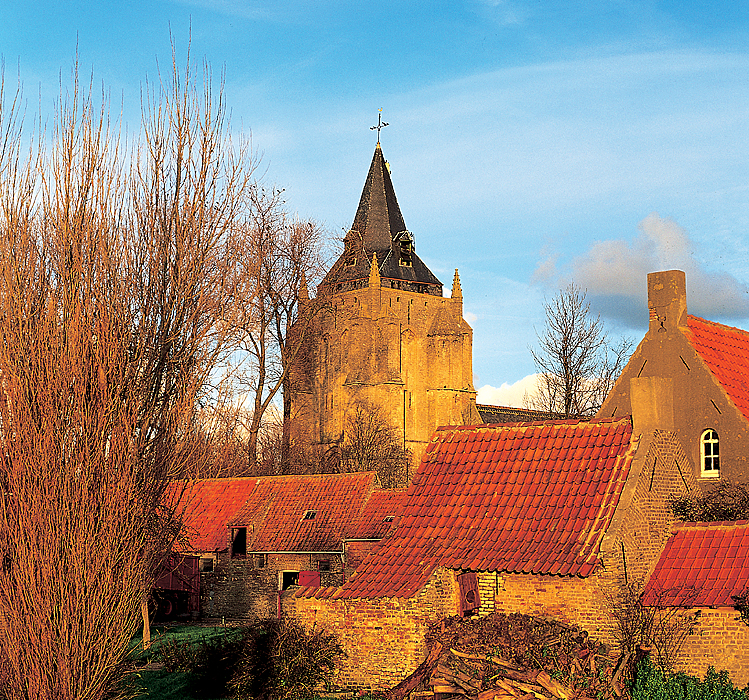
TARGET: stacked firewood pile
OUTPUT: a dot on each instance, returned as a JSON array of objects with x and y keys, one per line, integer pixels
[{"x": 507, "y": 657}]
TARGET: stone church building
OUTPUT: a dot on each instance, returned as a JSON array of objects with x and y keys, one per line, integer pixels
[{"x": 383, "y": 336}]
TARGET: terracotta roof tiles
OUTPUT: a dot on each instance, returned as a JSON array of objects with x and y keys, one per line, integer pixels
[
  {"x": 725, "y": 351},
  {"x": 518, "y": 503},
  {"x": 346, "y": 506},
  {"x": 380, "y": 515},
  {"x": 703, "y": 564},
  {"x": 209, "y": 504},
  {"x": 274, "y": 513}
]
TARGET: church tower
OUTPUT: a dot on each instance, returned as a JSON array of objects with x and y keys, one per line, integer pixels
[{"x": 383, "y": 335}]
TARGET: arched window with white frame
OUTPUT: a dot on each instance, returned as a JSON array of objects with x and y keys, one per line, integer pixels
[{"x": 710, "y": 453}]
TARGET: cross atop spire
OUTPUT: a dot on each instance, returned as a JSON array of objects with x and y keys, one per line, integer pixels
[{"x": 380, "y": 125}]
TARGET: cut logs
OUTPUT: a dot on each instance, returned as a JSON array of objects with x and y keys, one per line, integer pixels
[
  {"x": 511, "y": 657},
  {"x": 488, "y": 680}
]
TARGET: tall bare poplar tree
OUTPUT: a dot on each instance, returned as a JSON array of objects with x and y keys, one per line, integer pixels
[{"x": 116, "y": 265}]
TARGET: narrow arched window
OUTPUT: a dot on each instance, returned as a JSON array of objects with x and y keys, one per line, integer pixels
[{"x": 710, "y": 453}]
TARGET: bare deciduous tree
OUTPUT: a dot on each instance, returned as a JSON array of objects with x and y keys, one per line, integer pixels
[
  {"x": 370, "y": 444},
  {"x": 576, "y": 360},
  {"x": 279, "y": 254},
  {"x": 115, "y": 271},
  {"x": 661, "y": 626}
]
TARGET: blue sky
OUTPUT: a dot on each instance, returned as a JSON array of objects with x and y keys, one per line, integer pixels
[{"x": 530, "y": 142}]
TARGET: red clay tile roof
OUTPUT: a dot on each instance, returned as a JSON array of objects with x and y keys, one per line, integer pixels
[
  {"x": 371, "y": 524},
  {"x": 725, "y": 350},
  {"x": 524, "y": 498},
  {"x": 209, "y": 505},
  {"x": 274, "y": 511},
  {"x": 703, "y": 564}
]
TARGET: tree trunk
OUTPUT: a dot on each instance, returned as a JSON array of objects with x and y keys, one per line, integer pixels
[
  {"x": 286, "y": 428},
  {"x": 146, "y": 623},
  {"x": 418, "y": 676}
]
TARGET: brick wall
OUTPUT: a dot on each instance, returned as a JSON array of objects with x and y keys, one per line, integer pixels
[
  {"x": 570, "y": 600},
  {"x": 383, "y": 637},
  {"x": 721, "y": 641},
  {"x": 629, "y": 551},
  {"x": 355, "y": 553},
  {"x": 642, "y": 524},
  {"x": 489, "y": 584}
]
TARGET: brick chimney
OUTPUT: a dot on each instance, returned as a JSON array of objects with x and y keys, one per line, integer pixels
[{"x": 667, "y": 300}]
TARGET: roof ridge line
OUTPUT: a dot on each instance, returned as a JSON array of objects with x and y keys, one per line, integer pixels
[
  {"x": 708, "y": 524},
  {"x": 717, "y": 323}
]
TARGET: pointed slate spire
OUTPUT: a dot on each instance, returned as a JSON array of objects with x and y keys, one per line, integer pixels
[
  {"x": 379, "y": 228},
  {"x": 457, "y": 292},
  {"x": 378, "y": 218}
]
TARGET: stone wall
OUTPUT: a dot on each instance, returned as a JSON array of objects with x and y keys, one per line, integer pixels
[
  {"x": 247, "y": 588},
  {"x": 407, "y": 353}
]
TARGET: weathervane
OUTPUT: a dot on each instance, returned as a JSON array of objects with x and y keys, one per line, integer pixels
[{"x": 380, "y": 125}]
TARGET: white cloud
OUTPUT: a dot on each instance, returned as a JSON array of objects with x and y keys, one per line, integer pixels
[
  {"x": 614, "y": 272},
  {"x": 502, "y": 12},
  {"x": 508, "y": 394}
]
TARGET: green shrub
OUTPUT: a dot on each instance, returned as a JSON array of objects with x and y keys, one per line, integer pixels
[
  {"x": 274, "y": 658},
  {"x": 653, "y": 684},
  {"x": 283, "y": 661}
]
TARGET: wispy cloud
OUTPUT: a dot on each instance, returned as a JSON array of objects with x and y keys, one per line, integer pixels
[
  {"x": 614, "y": 272},
  {"x": 503, "y": 12},
  {"x": 491, "y": 166},
  {"x": 549, "y": 139},
  {"x": 245, "y": 9}
]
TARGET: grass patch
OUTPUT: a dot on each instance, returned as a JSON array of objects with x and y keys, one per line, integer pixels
[
  {"x": 172, "y": 633},
  {"x": 149, "y": 680},
  {"x": 161, "y": 685},
  {"x": 270, "y": 658}
]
